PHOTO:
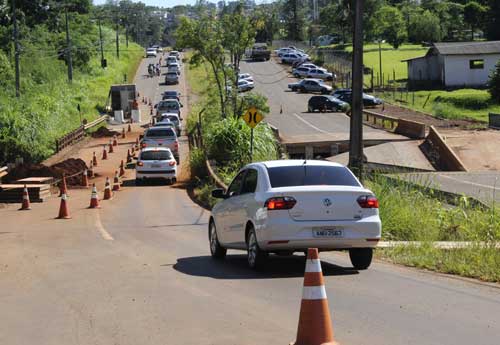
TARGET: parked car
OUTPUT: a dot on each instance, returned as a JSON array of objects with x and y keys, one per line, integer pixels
[
  {"x": 290, "y": 58},
  {"x": 172, "y": 78},
  {"x": 326, "y": 103},
  {"x": 173, "y": 118},
  {"x": 168, "y": 106},
  {"x": 151, "y": 52},
  {"x": 300, "y": 72},
  {"x": 310, "y": 85},
  {"x": 368, "y": 100},
  {"x": 287, "y": 206},
  {"x": 245, "y": 76},
  {"x": 155, "y": 163},
  {"x": 338, "y": 92},
  {"x": 161, "y": 137},
  {"x": 282, "y": 51},
  {"x": 169, "y": 94},
  {"x": 320, "y": 73}
]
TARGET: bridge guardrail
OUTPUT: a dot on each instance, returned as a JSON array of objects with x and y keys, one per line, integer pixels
[{"x": 77, "y": 134}]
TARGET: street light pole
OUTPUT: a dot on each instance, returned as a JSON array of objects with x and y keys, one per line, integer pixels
[
  {"x": 356, "y": 125},
  {"x": 16, "y": 50},
  {"x": 100, "y": 40}
]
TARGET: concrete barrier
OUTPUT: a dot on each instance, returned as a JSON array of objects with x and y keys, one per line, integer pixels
[
  {"x": 411, "y": 129},
  {"x": 494, "y": 120},
  {"x": 446, "y": 157}
]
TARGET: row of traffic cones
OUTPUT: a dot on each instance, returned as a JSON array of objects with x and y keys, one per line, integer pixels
[{"x": 147, "y": 101}]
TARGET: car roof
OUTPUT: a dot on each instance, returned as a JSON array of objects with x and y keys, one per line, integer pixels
[
  {"x": 155, "y": 149},
  {"x": 296, "y": 162},
  {"x": 169, "y": 114},
  {"x": 171, "y": 92}
]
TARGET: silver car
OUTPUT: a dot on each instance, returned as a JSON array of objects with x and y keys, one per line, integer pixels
[
  {"x": 172, "y": 78},
  {"x": 288, "y": 206}
]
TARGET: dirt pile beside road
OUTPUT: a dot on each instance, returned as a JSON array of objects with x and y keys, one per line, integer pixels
[
  {"x": 104, "y": 132},
  {"x": 68, "y": 167}
]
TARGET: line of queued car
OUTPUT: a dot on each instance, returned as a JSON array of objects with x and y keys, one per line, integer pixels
[{"x": 159, "y": 154}]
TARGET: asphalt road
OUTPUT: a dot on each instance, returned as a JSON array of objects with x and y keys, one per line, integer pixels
[
  {"x": 295, "y": 123},
  {"x": 138, "y": 271}
]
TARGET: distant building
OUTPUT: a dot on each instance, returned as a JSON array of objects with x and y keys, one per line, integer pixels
[{"x": 454, "y": 65}]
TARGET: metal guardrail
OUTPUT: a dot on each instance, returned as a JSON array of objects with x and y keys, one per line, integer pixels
[
  {"x": 77, "y": 134},
  {"x": 96, "y": 122}
]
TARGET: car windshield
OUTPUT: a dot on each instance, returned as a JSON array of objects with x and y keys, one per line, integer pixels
[
  {"x": 172, "y": 74},
  {"x": 161, "y": 155},
  {"x": 170, "y": 93},
  {"x": 166, "y": 132},
  {"x": 173, "y": 118},
  {"x": 171, "y": 104},
  {"x": 311, "y": 175}
]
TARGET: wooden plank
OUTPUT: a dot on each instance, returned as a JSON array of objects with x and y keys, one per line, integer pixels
[{"x": 36, "y": 180}]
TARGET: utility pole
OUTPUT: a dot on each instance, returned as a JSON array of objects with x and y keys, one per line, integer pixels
[
  {"x": 356, "y": 128},
  {"x": 380, "y": 56},
  {"x": 16, "y": 49},
  {"x": 100, "y": 40},
  {"x": 126, "y": 34},
  {"x": 117, "y": 40},
  {"x": 68, "y": 49}
]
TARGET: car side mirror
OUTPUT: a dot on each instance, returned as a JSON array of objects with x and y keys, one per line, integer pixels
[{"x": 219, "y": 193}]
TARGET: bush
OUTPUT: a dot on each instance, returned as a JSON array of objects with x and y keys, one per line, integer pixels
[
  {"x": 197, "y": 163},
  {"x": 494, "y": 84}
]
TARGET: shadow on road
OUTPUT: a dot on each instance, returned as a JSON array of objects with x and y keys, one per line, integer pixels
[{"x": 235, "y": 267}]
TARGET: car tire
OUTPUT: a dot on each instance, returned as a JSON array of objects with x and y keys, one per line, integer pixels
[
  {"x": 310, "y": 109},
  {"x": 324, "y": 91},
  {"x": 361, "y": 258},
  {"x": 138, "y": 181},
  {"x": 216, "y": 250},
  {"x": 255, "y": 256},
  {"x": 303, "y": 89}
]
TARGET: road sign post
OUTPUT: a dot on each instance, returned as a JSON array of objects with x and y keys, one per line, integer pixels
[{"x": 252, "y": 117}]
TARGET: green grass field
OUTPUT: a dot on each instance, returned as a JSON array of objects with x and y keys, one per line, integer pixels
[
  {"x": 391, "y": 58},
  {"x": 459, "y": 104}
]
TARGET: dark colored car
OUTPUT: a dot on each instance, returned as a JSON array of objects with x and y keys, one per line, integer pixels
[
  {"x": 326, "y": 103},
  {"x": 346, "y": 96},
  {"x": 171, "y": 95}
]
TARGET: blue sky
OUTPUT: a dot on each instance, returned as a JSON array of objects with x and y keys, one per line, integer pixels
[{"x": 162, "y": 3}]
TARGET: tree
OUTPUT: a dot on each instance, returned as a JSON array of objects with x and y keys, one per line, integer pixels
[
  {"x": 388, "y": 23},
  {"x": 474, "y": 15},
  {"x": 294, "y": 16},
  {"x": 493, "y": 20},
  {"x": 205, "y": 36},
  {"x": 424, "y": 27},
  {"x": 494, "y": 83},
  {"x": 336, "y": 19}
]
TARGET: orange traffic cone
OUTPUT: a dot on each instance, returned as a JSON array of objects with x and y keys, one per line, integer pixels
[
  {"x": 104, "y": 153},
  {"x": 129, "y": 157},
  {"x": 63, "y": 208},
  {"x": 132, "y": 151},
  {"x": 123, "y": 133},
  {"x": 150, "y": 109},
  {"x": 91, "y": 170},
  {"x": 94, "y": 198},
  {"x": 116, "y": 182},
  {"x": 26, "y": 200},
  {"x": 115, "y": 140},
  {"x": 108, "y": 195},
  {"x": 136, "y": 142},
  {"x": 85, "y": 180},
  {"x": 110, "y": 148},
  {"x": 315, "y": 324},
  {"x": 94, "y": 159},
  {"x": 150, "y": 102},
  {"x": 63, "y": 189},
  {"x": 129, "y": 129},
  {"x": 122, "y": 169}
]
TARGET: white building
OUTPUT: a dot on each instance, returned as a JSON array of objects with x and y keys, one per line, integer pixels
[{"x": 454, "y": 65}]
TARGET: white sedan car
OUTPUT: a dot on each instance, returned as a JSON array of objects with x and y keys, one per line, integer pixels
[
  {"x": 245, "y": 76},
  {"x": 290, "y": 205},
  {"x": 155, "y": 163}
]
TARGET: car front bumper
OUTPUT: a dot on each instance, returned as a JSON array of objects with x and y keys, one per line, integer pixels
[{"x": 286, "y": 234}]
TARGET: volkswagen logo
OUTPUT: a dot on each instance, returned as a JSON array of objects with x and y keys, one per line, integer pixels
[{"x": 327, "y": 202}]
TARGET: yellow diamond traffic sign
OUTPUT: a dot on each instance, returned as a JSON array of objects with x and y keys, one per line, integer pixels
[{"x": 252, "y": 117}]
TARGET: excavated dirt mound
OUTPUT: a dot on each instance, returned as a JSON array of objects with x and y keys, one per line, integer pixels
[
  {"x": 68, "y": 167},
  {"x": 103, "y": 132}
]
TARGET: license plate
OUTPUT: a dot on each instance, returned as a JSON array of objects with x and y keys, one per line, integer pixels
[
  {"x": 155, "y": 165},
  {"x": 330, "y": 232}
]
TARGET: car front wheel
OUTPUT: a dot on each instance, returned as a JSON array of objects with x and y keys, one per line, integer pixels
[
  {"x": 310, "y": 109},
  {"x": 255, "y": 256},
  {"x": 361, "y": 258},
  {"x": 216, "y": 250}
]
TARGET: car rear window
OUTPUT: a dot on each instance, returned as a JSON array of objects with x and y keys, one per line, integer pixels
[
  {"x": 310, "y": 175},
  {"x": 156, "y": 155},
  {"x": 156, "y": 133}
]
